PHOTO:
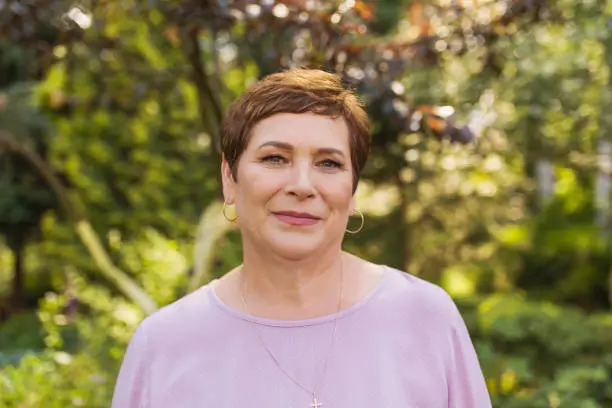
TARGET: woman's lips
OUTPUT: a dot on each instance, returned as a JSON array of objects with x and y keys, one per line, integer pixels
[{"x": 294, "y": 218}]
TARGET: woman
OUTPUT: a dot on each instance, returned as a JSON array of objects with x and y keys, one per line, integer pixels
[{"x": 301, "y": 323}]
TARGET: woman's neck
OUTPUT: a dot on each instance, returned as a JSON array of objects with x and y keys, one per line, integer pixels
[
  {"x": 306, "y": 295},
  {"x": 292, "y": 289}
]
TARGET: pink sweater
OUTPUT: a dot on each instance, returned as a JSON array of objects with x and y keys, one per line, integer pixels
[{"x": 403, "y": 346}]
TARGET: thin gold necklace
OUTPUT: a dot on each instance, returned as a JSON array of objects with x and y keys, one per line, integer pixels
[{"x": 315, "y": 402}]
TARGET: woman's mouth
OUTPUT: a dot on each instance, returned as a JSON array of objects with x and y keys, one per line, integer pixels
[{"x": 296, "y": 218}]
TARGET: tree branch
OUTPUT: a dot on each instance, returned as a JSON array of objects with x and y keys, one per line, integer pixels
[
  {"x": 84, "y": 230},
  {"x": 211, "y": 228},
  {"x": 206, "y": 96}
]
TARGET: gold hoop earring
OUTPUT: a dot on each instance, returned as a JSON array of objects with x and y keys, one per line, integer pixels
[
  {"x": 225, "y": 215},
  {"x": 362, "y": 223}
]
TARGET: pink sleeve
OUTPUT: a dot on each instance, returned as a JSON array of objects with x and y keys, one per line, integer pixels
[
  {"x": 131, "y": 386},
  {"x": 466, "y": 384}
]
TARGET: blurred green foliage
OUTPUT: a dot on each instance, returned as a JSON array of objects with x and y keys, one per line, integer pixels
[
  {"x": 487, "y": 174},
  {"x": 541, "y": 355}
]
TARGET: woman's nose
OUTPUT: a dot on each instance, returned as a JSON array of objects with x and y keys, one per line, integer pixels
[{"x": 300, "y": 181}]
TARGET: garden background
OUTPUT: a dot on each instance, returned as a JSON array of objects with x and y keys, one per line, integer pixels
[{"x": 489, "y": 174}]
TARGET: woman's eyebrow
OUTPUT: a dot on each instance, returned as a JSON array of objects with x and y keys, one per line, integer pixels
[
  {"x": 280, "y": 145},
  {"x": 288, "y": 146},
  {"x": 330, "y": 150}
]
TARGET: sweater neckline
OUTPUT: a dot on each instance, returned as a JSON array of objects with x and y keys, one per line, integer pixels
[{"x": 302, "y": 322}]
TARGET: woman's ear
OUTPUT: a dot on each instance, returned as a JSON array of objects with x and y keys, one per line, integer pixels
[{"x": 229, "y": 184}]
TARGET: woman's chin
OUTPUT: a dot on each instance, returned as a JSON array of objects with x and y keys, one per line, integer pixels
[{"x": 296, "y": 248}]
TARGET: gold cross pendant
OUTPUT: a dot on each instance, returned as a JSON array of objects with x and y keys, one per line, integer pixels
[{"x": 315, "y": 402}]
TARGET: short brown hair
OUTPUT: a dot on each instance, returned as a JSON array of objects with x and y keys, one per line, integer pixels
[{"x": 296, "y": 91}]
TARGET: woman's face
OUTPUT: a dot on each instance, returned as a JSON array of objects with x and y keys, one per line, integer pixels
[{"x": 295, "y": 186}]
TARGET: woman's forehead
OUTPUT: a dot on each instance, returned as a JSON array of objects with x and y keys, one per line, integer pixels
[{"x": 301, "y": 130}]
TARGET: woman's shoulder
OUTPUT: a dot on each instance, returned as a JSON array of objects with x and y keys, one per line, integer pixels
[
  {"x": 415, "y": 296},
  {"x": 187, "y": 316}
]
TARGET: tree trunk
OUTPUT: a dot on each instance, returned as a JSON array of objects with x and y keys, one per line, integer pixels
[
  {"x": 406, "y": 230},
  {"x": 603, "y": 184},
  {"x": 409, "y": 192},
  {"x": 209, "y": 107},
  {"x": 17, "y": 294},
  {"x": 606, "y": 124},
  {"x": 545, "y": 176},
  {"x": 536, "y": 168}
]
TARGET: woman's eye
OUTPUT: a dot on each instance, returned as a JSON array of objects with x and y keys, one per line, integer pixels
[
  {"x": 273, "y": 159},
  {"x": 330, "y": 164}
]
